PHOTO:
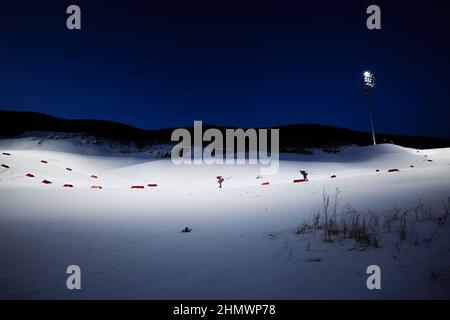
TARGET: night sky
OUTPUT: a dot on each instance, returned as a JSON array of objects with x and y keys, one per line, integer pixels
[{"x": 155, "y": 64}]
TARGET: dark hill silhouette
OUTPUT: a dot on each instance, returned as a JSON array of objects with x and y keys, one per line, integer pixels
[{"x": 295, "y": 138}]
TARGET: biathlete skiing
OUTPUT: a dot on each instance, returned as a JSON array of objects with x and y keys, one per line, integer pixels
[
  {"x": 220, "y": 180},
  {"x": 304, "y": 174}
]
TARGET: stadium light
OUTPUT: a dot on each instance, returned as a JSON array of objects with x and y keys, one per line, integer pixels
[
  {"x": 369, "y": 83},
  {"x": 369, "y": 80}
]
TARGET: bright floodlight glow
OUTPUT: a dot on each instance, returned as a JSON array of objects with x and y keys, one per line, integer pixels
[{"x": 369, "y": 80}]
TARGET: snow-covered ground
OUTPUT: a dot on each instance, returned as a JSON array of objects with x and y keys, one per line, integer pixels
[{"x": 128, "y": 242}]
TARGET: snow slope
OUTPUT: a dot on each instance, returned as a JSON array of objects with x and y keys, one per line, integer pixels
[{"x": 242, "y": 245}]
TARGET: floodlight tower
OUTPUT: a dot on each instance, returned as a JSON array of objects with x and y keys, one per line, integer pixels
[{"x": 369, "y": 83}]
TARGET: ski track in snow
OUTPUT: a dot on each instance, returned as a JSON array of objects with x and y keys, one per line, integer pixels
[{"x": 129, "y": 244}]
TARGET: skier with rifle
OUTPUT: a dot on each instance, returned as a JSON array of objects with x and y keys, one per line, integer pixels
[
  {"x": 304, "y": 174},
  {"x": 220, "y": 180}
]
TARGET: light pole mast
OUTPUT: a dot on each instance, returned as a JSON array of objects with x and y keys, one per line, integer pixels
[{"x": 369, "y": 83}]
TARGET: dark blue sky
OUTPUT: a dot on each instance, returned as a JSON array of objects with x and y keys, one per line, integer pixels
[{"x": 156, "y": 64}]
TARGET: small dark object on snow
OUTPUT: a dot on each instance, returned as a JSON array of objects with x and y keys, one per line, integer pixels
[
  {"x": 43, "y": 161},
  {"x": 94, "y": 177},
  {"x": 333, "y": 176},
  {"x": 6, "y": 153},
  {"x": 430, "y": 160},
  {"x": 393, "y": 170},
  {"x": 46, "y": 181},
  {"x": 69, "y": 169},
  {"x": 411, "y": 166},
  {"x": 30, "y": 175},
  {"x": 186, "y": 230},
  {"x": 67, "y": 185},
  {"x": 377, "y": 170},
  {"x": 5, "y": 166}
]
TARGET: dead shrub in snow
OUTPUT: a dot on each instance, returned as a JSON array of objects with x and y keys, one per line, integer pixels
[
  {"x": 366, "y": 229},
  {"x": 422, "y": 212},
  {"x": 315, "y": 219},
  {"x": 305, "y": 227},
  {"x": 442, "y": 220},
  {"x": 334, "y": 227},
  {"x": 329, "y": 210},
  {"x": 374, "y": 229},
  {"x": 402, "y": 231},
  {"x": 391, "y": 217},
  {"x": 326, "y": 211}
]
